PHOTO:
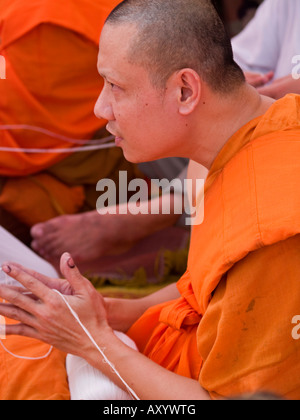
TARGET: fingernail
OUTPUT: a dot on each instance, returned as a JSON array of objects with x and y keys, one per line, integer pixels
[
  {"x": 71, "y": 263},
  {"x": 6, "y": 269}
]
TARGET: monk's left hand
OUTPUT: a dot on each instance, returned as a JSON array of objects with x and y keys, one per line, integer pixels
[{"x": 43, "y": 314}]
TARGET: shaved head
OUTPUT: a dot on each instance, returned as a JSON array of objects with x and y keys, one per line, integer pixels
[{"x": 177, "y": 34}]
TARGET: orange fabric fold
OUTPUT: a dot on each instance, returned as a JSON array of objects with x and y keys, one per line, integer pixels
[
  {"x": 173, "y": 348},
  {"x": 39, "y": 198}
]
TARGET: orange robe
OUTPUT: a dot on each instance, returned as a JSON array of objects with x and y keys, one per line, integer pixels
[
  {"x": 232, "y": 327},
  {"x": 51, "y": 76},
  {"x": 44, "y": 379}
]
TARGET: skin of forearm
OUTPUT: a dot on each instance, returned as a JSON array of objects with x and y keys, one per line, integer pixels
[
  {"x": 130, "y": 363},
  {"x": 164, "y": 295},
  {"x": 146, "y": 378},
  {"x": 122, "y": 313}
]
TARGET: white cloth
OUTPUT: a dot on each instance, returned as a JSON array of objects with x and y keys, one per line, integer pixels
[
  {"x": 271, "y": 39},
  {"x": 89, "y": 384}
]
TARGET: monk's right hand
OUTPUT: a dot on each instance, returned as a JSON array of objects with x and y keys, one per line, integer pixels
[{"x": 47, "y": 317}]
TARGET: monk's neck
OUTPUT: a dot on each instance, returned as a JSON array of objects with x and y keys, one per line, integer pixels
[{"x": 223, "y": 118}]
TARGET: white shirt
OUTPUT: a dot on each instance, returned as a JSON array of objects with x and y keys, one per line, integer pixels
[{"x": 271, "y": 40}]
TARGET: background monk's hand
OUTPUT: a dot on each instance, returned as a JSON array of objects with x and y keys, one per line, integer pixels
[
  {"x": 281, "y": 87},
  {"x": 257, "y": 79},
  {"x": 47, "y": 318}
]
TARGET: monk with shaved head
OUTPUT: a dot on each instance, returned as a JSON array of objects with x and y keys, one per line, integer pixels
[
  {"x": 186, "y": 35},
  {"x": 171, "y": 88}
]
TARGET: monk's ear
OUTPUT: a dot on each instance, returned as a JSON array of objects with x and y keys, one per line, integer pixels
[{"x": 188, "y": 90}]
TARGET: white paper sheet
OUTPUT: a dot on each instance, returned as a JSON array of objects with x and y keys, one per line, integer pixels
[{"x": 11, "y": 249}]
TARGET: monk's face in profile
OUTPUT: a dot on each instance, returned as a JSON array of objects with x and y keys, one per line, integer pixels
[{"x": 144, "y": 118}]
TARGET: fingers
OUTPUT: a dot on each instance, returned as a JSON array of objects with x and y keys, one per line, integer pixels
[
  {"x": 13, "y": 312},
  {"x": 40, "y": 277},
  {"x": 39, "y": 285},
  {"x": 257, "y": 79},
  {"x": 21, "y": 330},
  {"x": 265, "y": 78},
  {"x": 71, "y": 273},
  {"x": 31, "y": 283},
  {"x": 17, "y": 299}
]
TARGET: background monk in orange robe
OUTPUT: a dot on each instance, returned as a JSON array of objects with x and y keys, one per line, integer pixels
[
  {"x": 226, "y": 327},
  {"x": 52, "y": 83}
]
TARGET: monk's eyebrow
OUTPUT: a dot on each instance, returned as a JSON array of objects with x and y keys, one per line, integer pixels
[
  {"x": 104, "y": 75},
  {"x": 110, "y": 77}
]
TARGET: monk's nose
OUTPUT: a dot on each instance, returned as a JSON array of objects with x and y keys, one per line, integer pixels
[{"x": 103, "y": 108}]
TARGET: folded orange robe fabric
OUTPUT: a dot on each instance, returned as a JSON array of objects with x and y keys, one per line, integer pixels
[
  {"x": 51, "y": 76},
  {"x": 39, "y": 198},
  {"x": 231, "y": 328}
]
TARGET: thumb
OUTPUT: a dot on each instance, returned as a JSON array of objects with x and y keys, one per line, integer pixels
[{"x": 71, "y": 272}]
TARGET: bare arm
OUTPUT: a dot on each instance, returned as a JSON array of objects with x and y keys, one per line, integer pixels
[
  {"x": 122, "y": 313},
  {"x": 147, "y": 379}
]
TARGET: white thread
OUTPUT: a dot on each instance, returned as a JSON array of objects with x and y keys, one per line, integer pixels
[
  {"x": 58, "y": 151},
  {"x": 52, "y": 133},
  {"x": 26, "y": 357},
  {"x": 97, "y": 144},
  {"x": 130, "y": 390},
  {"x": 3, "y": 329}
]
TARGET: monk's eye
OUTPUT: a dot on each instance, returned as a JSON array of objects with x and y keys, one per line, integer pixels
[{"x": 113, "y": 86}]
